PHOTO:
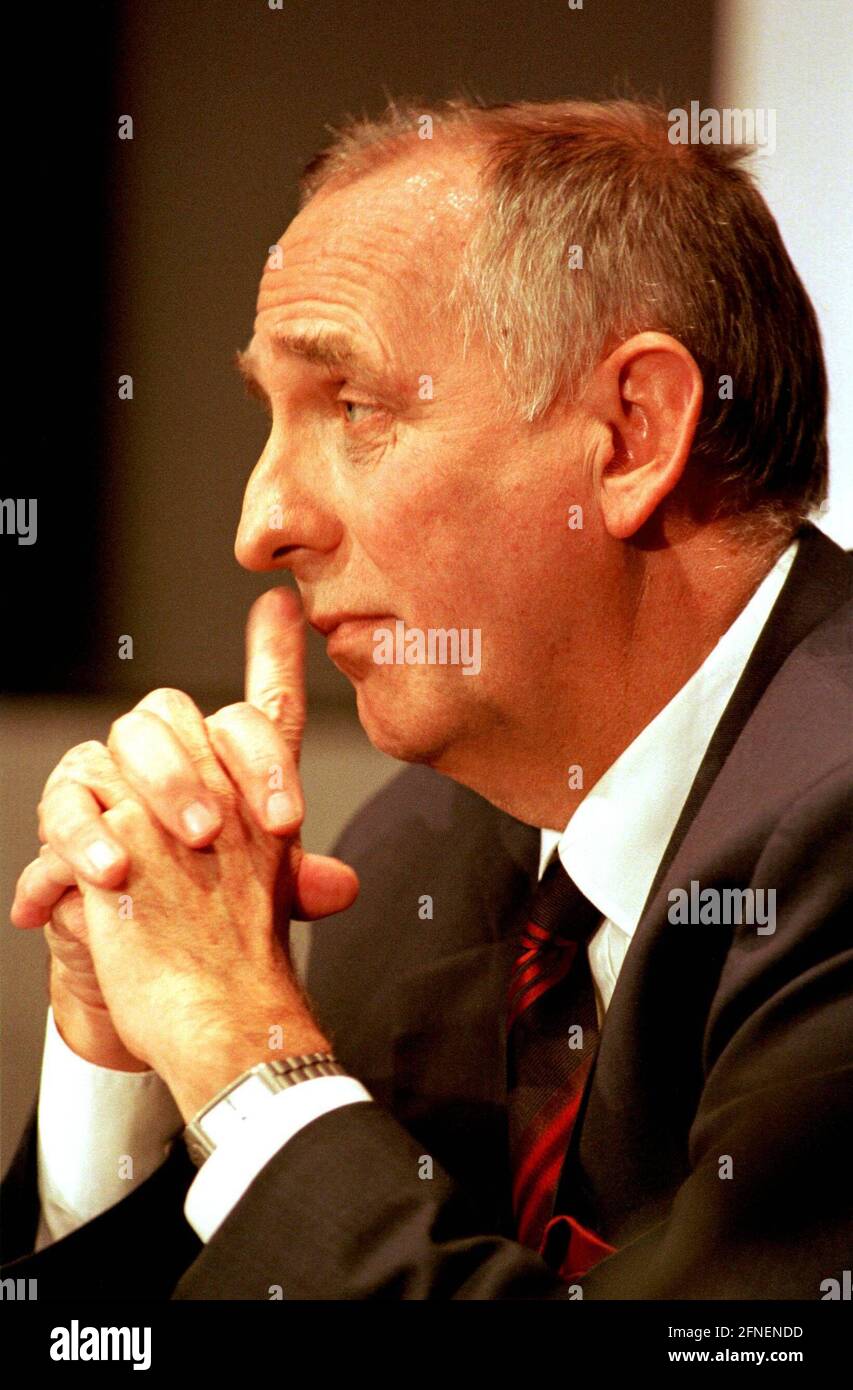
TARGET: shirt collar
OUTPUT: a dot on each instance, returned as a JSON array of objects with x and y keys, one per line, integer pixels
[{"x": 617, "y": 836}]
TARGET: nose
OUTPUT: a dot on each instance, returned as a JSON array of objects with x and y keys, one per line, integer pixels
[{"x": 283, "y": 521}]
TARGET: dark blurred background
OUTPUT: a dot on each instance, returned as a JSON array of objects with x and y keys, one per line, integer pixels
[
  {"x": 142, "y": 256},
  {"x": 150, "y": 251}
]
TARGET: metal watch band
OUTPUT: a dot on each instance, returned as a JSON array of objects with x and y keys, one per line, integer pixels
[{"x": 276, "y": 1075}]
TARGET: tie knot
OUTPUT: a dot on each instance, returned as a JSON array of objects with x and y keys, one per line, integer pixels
[{"x": 559, "y": 908}]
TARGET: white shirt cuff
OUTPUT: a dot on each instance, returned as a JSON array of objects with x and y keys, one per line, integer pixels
[
  {"x": 235, "y": 1163},
  {"x": 100, "y": 1134}
]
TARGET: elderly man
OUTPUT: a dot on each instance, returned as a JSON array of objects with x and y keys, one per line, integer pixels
[{"x": 539, "y": 374}]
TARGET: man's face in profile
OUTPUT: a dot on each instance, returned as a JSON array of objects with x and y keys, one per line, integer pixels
[{"x": 392, "y": 483}]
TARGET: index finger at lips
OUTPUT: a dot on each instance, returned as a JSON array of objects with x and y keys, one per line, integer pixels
[{"x": 275, "y": 662}]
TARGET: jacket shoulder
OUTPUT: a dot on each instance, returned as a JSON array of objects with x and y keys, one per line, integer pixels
[
  {"x": 440, "y": 869},
  {"x": 422, "y": 821}
]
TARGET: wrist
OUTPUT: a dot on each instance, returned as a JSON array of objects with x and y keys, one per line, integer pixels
[
  {"x": 235, "y": 1109},
  {"x": 194, "y": 1083},
  {"x": 89, "y": 1031}
]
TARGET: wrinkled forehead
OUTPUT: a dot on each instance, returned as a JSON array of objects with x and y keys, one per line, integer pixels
[{"x": 398, "y": 230}]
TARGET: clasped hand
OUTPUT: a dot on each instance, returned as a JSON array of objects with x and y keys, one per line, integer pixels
[{"x": 171, "y": 867}]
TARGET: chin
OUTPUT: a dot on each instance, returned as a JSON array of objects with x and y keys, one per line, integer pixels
[{"x": 411, "y": 730}]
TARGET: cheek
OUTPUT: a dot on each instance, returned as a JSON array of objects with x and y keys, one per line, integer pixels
[
  {"x": 460, "y": 545},
  {"x": 433, "y": 544}
]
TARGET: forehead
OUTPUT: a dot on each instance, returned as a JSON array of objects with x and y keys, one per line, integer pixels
[{"x": 390, "y": 238}]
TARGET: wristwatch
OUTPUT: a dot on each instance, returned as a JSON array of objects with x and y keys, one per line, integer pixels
[{"x": 247, "y": 1094}]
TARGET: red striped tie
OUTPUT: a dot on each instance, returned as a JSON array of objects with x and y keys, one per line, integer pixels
[{"x": 552, "y": 1036}]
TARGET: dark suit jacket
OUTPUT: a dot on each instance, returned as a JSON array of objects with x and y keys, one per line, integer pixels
[{"x": 718, "y": 1042}]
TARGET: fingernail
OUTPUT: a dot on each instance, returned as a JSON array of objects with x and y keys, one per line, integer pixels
[
  {"x": 281, "y": 809},
  {"x": 198, "y": 819},
  {"x": 102, "y": 856}
]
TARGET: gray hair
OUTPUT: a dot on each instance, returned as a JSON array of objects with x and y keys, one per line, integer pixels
[{"x": 674, "y": 238}]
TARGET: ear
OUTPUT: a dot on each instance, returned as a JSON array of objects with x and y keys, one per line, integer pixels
[{"x": 648, "y": 395}]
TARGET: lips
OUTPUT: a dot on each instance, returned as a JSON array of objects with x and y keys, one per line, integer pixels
[{"x": 326, "y": 623}]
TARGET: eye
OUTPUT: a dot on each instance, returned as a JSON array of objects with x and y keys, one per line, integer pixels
[{"x": 351, "y": 409}]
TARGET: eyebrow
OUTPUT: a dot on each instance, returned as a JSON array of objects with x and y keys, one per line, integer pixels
[
  {"x": 243, "y": 362},
  {"x": 322, "y": 347}
]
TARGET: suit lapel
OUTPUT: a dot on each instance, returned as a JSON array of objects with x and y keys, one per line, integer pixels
[
  {"x": 817, "y": 583},
  {"x": 449, "y": 1045}
]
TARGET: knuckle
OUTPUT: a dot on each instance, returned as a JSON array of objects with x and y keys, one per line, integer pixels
[
  {"x": 70, "y": 835},
  {"x": 278, "y": 706},
  {"x": 90, "y": 746},
  {"x": 171, "y": 694},
  {"x": 91, "y": 750},
  {"x": 62, "y": 834},
  {"x": 68, "y": 912},
  {"x": 78, "y": 761},
  {"x": 127, "y": 816},
  {"x": 59, "y": 777},
  {"x": 228, "y": 799},
  {"x": 252, "y": 739},
  {"x": 121, "y": 727},
  {"x": 170, "y": 703},
  {"x": 57, "y": 819},
  {"x": 238, "y": 709},
  {"x": 230, "y": 716}
]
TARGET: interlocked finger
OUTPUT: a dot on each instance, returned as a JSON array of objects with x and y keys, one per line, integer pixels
[
  {"x": 83, "y": 785},
  {"x": 162, "y": 748},
  {"x": 40, "y": 887}
]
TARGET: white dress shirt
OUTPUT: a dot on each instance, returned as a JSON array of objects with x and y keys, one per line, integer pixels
[{"x": 91, "y": 1119}]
